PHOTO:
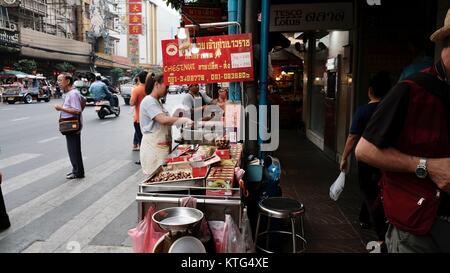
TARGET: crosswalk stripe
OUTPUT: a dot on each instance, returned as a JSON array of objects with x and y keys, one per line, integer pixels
[
  {"x": 16, "y": 159},
  {"x": 34, "y": 209},
  {"x": 20, "y": 119},
  {"x": 31, "y": 176},
  {"x": 86, "y": 225},
  {"x": 49, "y": 139}
]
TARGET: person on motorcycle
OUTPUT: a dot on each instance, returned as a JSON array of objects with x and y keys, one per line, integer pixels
[{"x": 100, "y": 91}]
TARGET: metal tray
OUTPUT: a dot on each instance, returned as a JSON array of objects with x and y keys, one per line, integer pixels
[{"x": 173, "y": 185}]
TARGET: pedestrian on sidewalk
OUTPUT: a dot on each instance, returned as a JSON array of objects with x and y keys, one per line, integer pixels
[
  {"x": 4, "y": 219},
  {"x": 137, "y": 95},
  {"x": 156, "y": 125},
  {"x": 371, "y": 212},
  {"x": 73, "y": 106},
  {"x": 408, "y": 138}
]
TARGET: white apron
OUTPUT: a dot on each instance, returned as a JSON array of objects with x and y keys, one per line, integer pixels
[{"x": 155, "y": 147}]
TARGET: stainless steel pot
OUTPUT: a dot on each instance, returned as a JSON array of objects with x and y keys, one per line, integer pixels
[{"x": 178, "y": 219}]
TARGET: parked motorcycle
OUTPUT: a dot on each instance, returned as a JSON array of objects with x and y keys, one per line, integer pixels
[{"x": 104, "y": 108}]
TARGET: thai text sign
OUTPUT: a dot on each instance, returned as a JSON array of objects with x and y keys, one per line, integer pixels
[
  {"x": 202, "y": 14},
  {"x": 226, "y": 58},
  {"x": 302, "y": 17}
]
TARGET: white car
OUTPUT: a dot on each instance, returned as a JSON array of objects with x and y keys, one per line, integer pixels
[
  {"x": 125, "y": 91},
  {"x": 174, "y": 89}
]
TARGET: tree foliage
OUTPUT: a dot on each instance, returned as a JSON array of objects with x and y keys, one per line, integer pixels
[
  {"x": 65, "y": 67},
  {"x": 116, "y": 73},
  {"x": 26, "y": 66},
  {"x": 136, "y": 71}
]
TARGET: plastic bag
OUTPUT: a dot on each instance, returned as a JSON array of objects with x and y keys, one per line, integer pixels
[
  {"x": 204, "y": 234},
  {"x": 247, "y": 233},
  {"x": 217, "y": 229},
  {"x": 337, "y": 187},
  {"x": 145, "y": 235},
  {"x": 233, "y": 241}
]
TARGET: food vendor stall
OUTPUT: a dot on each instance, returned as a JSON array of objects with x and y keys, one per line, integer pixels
[{"x": 205, "y": 164}]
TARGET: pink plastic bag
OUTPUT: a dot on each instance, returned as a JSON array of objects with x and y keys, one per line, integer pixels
[
  {"x": 217, "y": 229},
  {"x": 233, "y": 240},
  {"x": 145, "y": 235}
]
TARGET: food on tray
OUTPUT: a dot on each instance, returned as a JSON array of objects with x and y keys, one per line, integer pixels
[
  {"x": 204, "y": 151},
  {"x": 172, "y": 175},
  {"x": 222, "y": 142}
]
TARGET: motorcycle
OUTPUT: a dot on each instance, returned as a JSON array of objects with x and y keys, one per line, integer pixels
[{"x": 104, "y": 108}]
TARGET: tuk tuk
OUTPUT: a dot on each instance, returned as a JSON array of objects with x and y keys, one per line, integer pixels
[{"x": 18, "y": 86}]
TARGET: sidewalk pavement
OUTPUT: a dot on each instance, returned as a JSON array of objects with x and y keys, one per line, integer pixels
[{"x": 307, "y": 174}]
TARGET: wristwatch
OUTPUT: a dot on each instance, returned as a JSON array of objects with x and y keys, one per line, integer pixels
[{"x": 421, "y": 169}]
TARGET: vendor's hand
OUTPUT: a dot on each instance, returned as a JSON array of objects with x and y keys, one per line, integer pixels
[
  {"x": 184, "y": 121},
  {"x": 344, "y": 164},
  {"x": 58, "y": 107},
  {"x": 438, "y": 172}
]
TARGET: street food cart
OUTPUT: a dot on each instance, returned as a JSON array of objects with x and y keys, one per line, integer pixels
[{"x": 213, "y": 185}]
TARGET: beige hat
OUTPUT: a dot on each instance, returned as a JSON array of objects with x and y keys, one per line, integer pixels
[{"x": 444, "y": 31}]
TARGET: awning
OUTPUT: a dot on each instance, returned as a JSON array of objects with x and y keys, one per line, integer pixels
[{"x": 41, "y": 45}]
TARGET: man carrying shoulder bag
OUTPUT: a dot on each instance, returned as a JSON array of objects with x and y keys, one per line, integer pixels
[{"x": 71, "y": 123}]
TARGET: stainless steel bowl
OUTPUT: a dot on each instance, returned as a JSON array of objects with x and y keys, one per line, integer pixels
[{"x": 178, "y": 219}]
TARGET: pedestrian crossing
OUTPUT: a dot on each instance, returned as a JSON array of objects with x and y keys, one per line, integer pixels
[
  {"x": 75, "y": 234},
  {"x": 16, "y": 159}
]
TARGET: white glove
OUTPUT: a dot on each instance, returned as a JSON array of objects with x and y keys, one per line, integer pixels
[{"x": 184, "y": 121}]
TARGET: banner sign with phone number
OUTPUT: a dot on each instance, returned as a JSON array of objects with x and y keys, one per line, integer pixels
[{"x": 225, "y": 58}]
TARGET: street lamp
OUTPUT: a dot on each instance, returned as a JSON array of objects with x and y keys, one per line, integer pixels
[
  {"x": 194, "y": 49},
  {"x": 182, "y": 31}
]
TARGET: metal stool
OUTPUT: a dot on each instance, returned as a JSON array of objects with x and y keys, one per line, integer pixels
[{"x": 281, "y": 208}]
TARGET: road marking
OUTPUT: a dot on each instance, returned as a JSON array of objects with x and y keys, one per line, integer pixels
[
  {"x": 106, "y": 122},
  {"x": 7, "y": 109},
  {"x": 31, "y": 176},
  {"x": 19, "y": 119},
  {"x": 36, "y": 208},
  {"x": 16, "y": 159},
  {"x": 90, "y": 222},
  {"x": 49, "y": 139}
]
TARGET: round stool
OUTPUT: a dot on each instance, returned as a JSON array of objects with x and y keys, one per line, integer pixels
[{"x": 281, "y": 208}]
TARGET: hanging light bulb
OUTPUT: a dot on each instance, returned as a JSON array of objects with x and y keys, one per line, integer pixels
[
  {"x": 181, "y": 31},
  {"x": 194, "y": 49}
]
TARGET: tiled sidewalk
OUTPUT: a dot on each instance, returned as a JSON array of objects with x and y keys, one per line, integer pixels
[{"x": 306, "y": 176}]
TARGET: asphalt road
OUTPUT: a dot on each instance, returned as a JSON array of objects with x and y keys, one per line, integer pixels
[{"x": 51, "y": 214}]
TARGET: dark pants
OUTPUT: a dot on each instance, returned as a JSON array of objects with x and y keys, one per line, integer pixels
[
  {"x": 372, "y": 209},
  {"x": 74, "y": 149},
  {"x": 137, "y": 133},
  {"x": 110, "y": 97},
  {"x": 4, "y": 219}
]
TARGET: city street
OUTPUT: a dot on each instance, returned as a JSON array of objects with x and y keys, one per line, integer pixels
[{"x": 51, "y": 214}]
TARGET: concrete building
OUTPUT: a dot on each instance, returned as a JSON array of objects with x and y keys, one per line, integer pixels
[{"x": 159, "y": 23}]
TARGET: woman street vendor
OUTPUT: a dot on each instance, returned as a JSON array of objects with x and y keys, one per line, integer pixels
[{"x": 156, "y": 125}]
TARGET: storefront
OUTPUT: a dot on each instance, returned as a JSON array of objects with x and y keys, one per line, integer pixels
[
  {"x": 342, "y": 44},
  {"x": 9, "y": 45},
  {"x": 320, "y": 35}
]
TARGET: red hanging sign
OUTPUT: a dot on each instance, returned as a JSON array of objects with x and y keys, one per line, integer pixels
[
  {"x": 135, "y": 8},
  {"x": 135, "y": 19},
  {"x": 226, "y": 58},
  {"x": 135, "y": 29}
]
